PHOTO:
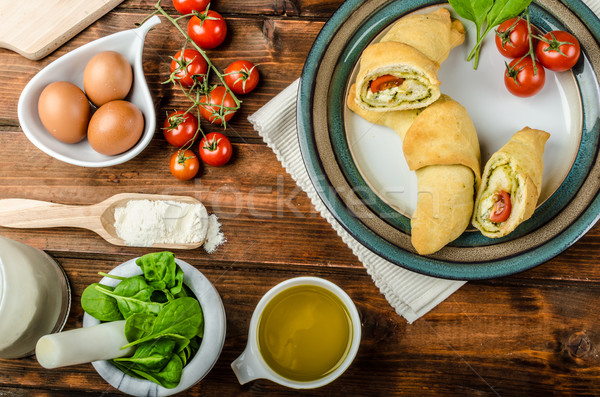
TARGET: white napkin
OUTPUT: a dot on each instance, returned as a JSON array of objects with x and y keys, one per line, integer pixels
[{"x": 411, "y": 294}]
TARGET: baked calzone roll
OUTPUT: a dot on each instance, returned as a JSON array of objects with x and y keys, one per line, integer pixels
[
  {"x": 511, "y": 184},
  {"x": 440, "y": 144},
  {"x": 400, "y": 71}
]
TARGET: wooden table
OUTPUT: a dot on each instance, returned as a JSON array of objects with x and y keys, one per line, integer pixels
[{"x": 534, "y": 333}]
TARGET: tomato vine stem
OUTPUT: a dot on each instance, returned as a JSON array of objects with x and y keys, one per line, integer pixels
[{"x": 198, "y": 89}]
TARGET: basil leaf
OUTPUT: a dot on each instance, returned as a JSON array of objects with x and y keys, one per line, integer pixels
[
  {"x": 505, "y": 9},
  {"x": 473, "y": 10}
]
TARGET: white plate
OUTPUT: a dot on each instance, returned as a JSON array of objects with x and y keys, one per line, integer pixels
[{"x": 497, "y": 115}]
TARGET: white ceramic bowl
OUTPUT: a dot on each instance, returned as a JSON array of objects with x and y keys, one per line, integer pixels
[
  {"x": 206, "y": 356},
  {"x": 70, "y": 67}
]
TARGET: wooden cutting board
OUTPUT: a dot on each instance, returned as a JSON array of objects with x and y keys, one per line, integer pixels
[{"x": 35, "y": 28}]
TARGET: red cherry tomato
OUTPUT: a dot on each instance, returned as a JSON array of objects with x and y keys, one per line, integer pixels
[
  {"x": 558, "y": 50},
  {"x": 521, "y": 79},
  {"x": 187, "y": 6},
  {"x": 189, "y": 67},
  {"x": 241, "y": 76},
  {"x": 218, "y": 106},
  {"x": 184, "y": 164},
  {"x": 512, "y": 38},
  {"x": 384, "y": 82},
  {"x": 501, "y": 208},
  {"x": 208, "y": 29},
  {"x": 215, "y": 149},
  {"x": 180, "y": 128}
]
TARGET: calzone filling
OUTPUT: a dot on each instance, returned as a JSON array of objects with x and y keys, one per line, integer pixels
[
  {"x": 398, "y": 88},
  {"x": 495, "y": 205}
]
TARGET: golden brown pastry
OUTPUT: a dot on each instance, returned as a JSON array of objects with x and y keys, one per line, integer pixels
[
  {"x": 396, "y": 76},
  {"x": 511, "y": 185},
  {"x": 400, "y": 71},
  {"x": 434, "y": 34},
  {"x": 440, "y": 144}
]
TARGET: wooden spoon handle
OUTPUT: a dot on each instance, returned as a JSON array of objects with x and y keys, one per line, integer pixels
[{"x": 24, "y": 213}]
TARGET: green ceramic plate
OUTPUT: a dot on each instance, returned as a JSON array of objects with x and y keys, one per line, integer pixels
[{"x": 354, "y": 179}]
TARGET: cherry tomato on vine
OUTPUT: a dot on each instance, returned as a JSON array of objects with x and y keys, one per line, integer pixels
[
  {"x": 189, "y": 67},
  {"x": 241, "y": 76},
  {"x": 521, "y": 79},
  {"x": 558, "y": 50},
  {"x": 187, "y": 6},
  {"x": 208, "y": 29},
  {"x": 502, "y": 207},
  {"x": 215, "y": 149},
  {"x": 184, "y": 164},
  {"x": 512, "y": 38},
  {"x": 180, "y": 128},
  {"x": 218, "y": 106}
]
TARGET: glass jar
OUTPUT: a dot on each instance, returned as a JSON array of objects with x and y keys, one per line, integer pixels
[{"x": 35, "y": 297}]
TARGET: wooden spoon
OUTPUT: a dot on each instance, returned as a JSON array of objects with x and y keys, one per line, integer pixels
[{"x": 99, "y": 218}]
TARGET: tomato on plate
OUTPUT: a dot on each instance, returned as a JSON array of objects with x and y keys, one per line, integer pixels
[
  {"x": 180, "y": 128},
  {"x": 384, "y": 82},
  {"x": 241, "y": 76},
  {"x": 184, "y": 164},
  {"x": 188, "y": 6},
  {"x": 522, "y": 79},
  {"x": 215, "y": 149},
  {"x": 512, "y": 38},
  {"x": 558, "y": 50},
  {"x": 502, "y": 207},
  {"x": 189, "y": 67},
  {"x": 208, "y": 29},
  {"x": 218, "y": 106}
]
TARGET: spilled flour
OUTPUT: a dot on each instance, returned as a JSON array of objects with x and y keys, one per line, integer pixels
[
  {"x": 142, "y": 223},
  {"x": 214, "y": 236}
]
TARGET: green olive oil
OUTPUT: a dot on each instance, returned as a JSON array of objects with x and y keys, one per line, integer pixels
[{"x": 304, "y": 333}]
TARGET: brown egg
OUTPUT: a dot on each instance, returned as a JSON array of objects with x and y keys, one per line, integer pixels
[
  {"x": 115, "y": 127},
  {"x": 107, "y": 77},
  {"x": 64, "y": 111}
]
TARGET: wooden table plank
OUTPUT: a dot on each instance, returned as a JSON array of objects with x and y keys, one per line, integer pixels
[{"x": 532, "y": 333}]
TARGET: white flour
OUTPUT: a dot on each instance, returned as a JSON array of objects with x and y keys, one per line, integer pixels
[
  {"x": 214, "y": 236},
  {"x": 142, "y": 223}
]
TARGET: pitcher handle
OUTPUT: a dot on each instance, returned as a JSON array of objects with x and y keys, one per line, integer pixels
[{"x": 247, "y": 367}]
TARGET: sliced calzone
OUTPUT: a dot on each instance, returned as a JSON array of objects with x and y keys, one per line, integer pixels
[
  {"x": 511, "y": 184},
  {"x": 400, "y": 71}
]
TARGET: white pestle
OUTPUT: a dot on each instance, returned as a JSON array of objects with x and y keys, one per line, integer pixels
[{"x": 83, "y": 345}]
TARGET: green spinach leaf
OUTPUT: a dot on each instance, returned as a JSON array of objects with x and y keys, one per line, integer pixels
[
  {"x": 473, "y": 10},
  {"x": 99, "y": 305},
  {"x": 152, "y": 355},
  {"x": 182, "y": 316},
  {"x": 129, "y": 305},
  {"x": 487, "y": 14},
  {"x": 161, "y": 271},
  {"x": 139, "y": 325},
  {"x": 505, "y": 9},
  {"x": 168, "y": 377}
]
